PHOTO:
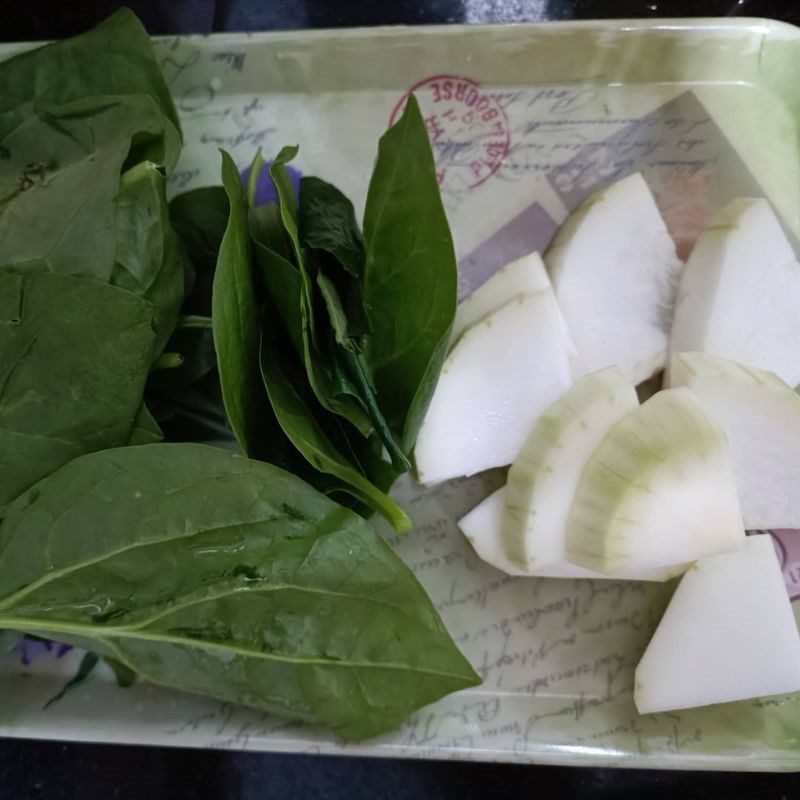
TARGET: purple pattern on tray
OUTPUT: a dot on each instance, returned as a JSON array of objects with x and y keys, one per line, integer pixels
[{"x": 30, "y": 650}]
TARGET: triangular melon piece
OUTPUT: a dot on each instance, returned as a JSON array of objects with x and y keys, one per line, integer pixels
[
  {"x": 543, "y": 478},
  {"x": 740, "y": 292},
  {"x": 728, "y": 634},
  {"x": 502, "y": 373},
  {"x": 483, "y": 528},
  {"x": 658, "y": 491},
  {"x": 614, "y": 270},
  {"x": 760, "y": 415},
  {"x": 526, "y": 275}
]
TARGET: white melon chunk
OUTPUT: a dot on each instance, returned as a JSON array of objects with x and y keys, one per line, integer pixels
[
  {"x": 483, "y": 529},
  {"x": 760, "y": 415},
  {"x": 659, "y": 490},
  {"x": 740, "y": 292},
  {"x": 543, "y": 478},
  {"x": 614, "y": 271},
  {"x": 502, "y": 373},
  {"x": 728, "y": 634},
  {"x": 526, "y": 275}
]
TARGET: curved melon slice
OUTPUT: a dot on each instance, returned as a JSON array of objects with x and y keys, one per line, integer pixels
[
  {"x": 526, "y": 275},
  {"x": 499, "y": 377},
  {"x": 728, "y": 634},
  {"x": 543, "y": 478},
  {"x": 740, "y": 292},
  {"x": 614, "y": 270},
  {"x": 760, "y": 415},
  {"x": 658, "y": 491},
  {"x": 483, "y": 529}
]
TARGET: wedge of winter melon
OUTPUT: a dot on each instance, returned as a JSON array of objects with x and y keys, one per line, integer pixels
[
  {"x": 614, "y": 271},
  {"x": 728, "y": 634},
  {"x": 502, "y": 373},
  {"x": 483, "y": 529},
  {"x": 658, "y": 491},
  {"x": 760, "y": 415},
  {"x": 543, "y": 478},
  {"x": 740, "y": 292}
]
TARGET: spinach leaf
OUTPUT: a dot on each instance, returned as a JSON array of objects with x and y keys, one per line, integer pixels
[
  {"x": 332, "y": 389},
  {"x": 275, "y": 597},
  {"x": 60, "y": 181},
  {"x": 266, "y": 228},
  {"x": 145, "y": 429},
  {"x": 327, "y": 222},
  {"x": 115, "y": 58},
  {"x": 235, "y": 320},
  {"x": 149, "y": 258},
  {"x": 74, "y": 358},
  {"x": 410, "y": 278},
  {"x": 308, "y": 436}
]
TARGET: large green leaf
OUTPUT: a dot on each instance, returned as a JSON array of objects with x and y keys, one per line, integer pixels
[
  {"x": 410, "y": 277},
  {"x": 215, "y": 574},
  {"x": 236, "y": 321},
  {"x": 149, "y": 260},
  {"x": 74, "y": 357},
  {"x": 60, "y": 179},
  {"x": 115, "y": 58}
]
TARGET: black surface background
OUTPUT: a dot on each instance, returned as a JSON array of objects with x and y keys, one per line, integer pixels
[{"x": 57, "y": 771}]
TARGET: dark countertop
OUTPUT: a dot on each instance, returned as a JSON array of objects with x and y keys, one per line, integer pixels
[{"x": 57, "y": 771}]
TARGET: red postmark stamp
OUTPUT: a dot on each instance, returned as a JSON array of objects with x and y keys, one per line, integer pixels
[{"x": 468, "y": 128}]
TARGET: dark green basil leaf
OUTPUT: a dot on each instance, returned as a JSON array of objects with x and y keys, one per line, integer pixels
[
  {"x": 275, "y": 597},
  {"x": 410, "y": 278},
  {"x": 308, "y": 436},
  {"x": 115, "y": 58},
  {"x": 328, "y": 222},
  {"x": 333, "y": 391},
  {"x": 74, "y": 358},
  {"x": 235, "y": 321}
]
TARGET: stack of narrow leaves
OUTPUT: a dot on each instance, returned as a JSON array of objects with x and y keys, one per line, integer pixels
[{"x": 184, "y": 563}]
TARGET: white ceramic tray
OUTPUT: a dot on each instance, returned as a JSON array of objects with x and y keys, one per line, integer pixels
[{"x": 526, "y": 121}]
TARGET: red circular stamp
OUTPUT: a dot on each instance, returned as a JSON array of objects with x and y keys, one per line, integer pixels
[{"x": 469, "y": 129}]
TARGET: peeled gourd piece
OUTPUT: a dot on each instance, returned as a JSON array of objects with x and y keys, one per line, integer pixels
[
  {"x": 502, "y": 373},
  {"x": 760, "y": 415},
  {"x": 658, "y": 491},
  {"x": 614, "y": 271},
  {"x": 728, "y": 634},
  {"x": 740, "y": 292}
]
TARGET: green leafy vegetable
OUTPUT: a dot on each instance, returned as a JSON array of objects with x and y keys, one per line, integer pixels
[
  {"x": 236, "y": 321},
  {"x": 300, "y": 425},
  {"x": 74, "y": 357},
  {"x": 8, "y": 640},
  {"x": 275, "y": 597},
  {"x": 410, "y": 276},
  {"x": 328, "y": 222},
  {"x": 200, "y": 217},
  {"x": 60, "y": 180},
  {"x": 145, "y": 429},
  {"x": 115, "y": 58}
]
